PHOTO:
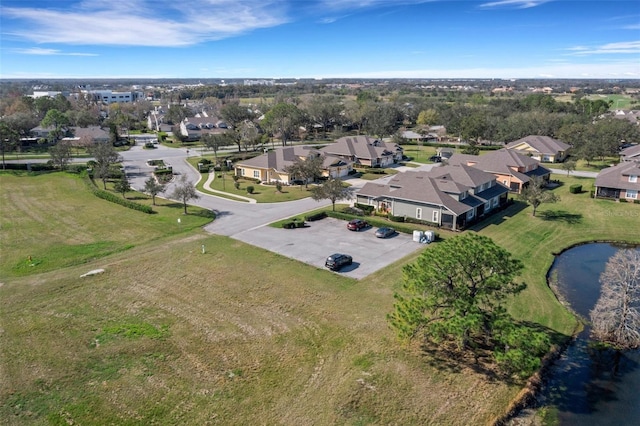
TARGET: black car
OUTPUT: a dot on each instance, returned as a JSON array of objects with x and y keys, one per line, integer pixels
[
  {"x": 337, "y": 261},
  {"x": 435, "y": 158}
]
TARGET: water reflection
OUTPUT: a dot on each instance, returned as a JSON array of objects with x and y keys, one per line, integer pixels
[{"x": 589, "y": 384}]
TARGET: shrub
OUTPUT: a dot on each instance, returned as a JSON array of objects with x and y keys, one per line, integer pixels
[
  {"x": 250, "y": 189},
  {"x": 110, "y": 196},
  {"x": 393, "y": 218},
  {"x": 235, "y": 178},
  {"x": 316, "y": 216},
  {"x": 236, "y": 184},
  {"x": 279, "y": 186},
  {"x": 367, "y": 209},
  {"x": 575, "y": 189}
]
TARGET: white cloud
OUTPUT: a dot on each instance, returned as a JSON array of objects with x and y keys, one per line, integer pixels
[
  {"x": 49, "y": 52},
  {"x": 623, "y": 47},
  {"x": 138, "y": 22},
  {"x": 518, "y": 4}
]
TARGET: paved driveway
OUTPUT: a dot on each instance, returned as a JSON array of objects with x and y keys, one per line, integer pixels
[
  {"x": 321, "y": 238},
  {"x": 248, "y": 222}
]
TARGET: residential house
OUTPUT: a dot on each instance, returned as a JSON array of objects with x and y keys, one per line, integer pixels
[
  {"x": 631, "y": 153},
  {"x": 272, "y": 165},
  {"x": 419, "y": 137},
  {"x": 82, "y": 136},
  {"x": 365, "y": 151},
  {"x": 452, "y": 196},
  {"x": 192, "y": 128},
  {"x": 510, "y": 168},
  {"x": 156, "y": 121},
  {"x": 619, "y": 182},
  {"x": 40, "y": 132},
  {"x": 542, "y": 148}
]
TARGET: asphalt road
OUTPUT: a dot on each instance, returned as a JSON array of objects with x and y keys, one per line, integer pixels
[{"x": 248, "y": 222}]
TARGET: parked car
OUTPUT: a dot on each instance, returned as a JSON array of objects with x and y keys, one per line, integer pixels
[
  {"x": 385, "y": 232},
  {"x": 337, "y": 261},
  {"x": 356, "y": 224},
  {"x": 435, "y": 158}
]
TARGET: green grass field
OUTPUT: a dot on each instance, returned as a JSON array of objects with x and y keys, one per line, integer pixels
[{"x": 237, "y": 335}]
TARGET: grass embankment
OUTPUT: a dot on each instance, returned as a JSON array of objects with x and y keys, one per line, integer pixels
[
  {"x": 54, "y": 220},
  {"x": 576, "y": 219},
  {"x": 237, "y": 335}
]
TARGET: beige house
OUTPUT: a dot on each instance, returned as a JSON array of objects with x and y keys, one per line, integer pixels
[
  {"x": 510, "y": 168},
  {"x": 365, "y": 151},
  {"x": 272, "y": 166},
  {"x": 542, "y": 148}
]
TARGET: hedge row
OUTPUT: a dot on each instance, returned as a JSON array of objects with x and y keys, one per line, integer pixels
[{"x": 109, "y": 196}]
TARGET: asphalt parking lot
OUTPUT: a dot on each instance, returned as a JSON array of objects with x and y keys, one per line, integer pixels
[{"x": 322, "y": 238}]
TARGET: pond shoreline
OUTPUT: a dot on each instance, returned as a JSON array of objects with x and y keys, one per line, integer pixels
[{"x": 524, "y": 401}]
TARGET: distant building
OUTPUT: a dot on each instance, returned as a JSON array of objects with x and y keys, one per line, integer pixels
[{"x": 110, "y": 97}]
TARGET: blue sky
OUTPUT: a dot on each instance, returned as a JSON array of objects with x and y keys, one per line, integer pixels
[{"x": 319, "y": 39}]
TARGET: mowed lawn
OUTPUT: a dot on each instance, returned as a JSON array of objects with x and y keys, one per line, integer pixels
[{"x": 237, "y": 335}]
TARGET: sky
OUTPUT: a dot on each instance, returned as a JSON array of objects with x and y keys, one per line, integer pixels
[{"x": 428, "y": 39}]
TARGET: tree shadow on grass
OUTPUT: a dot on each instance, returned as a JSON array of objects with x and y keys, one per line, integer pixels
[
  {"x": 514, "y": 207},
  {"x": 561, "y": 216},
  {"x": 480, "y": 360}
]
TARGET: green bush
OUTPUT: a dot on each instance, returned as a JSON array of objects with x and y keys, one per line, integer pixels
[
  {"x": 316, "y": 216},
  {"x": 575, "y": 189},
  {"x": 279, "y": 186},
  {"x": 236, "y": 184},
  {"x": 365, "y": 208},
  {"x": 250, "y": 189},
  {"x": 110, "y": 196},
  {"x": 393, "y": 218}
]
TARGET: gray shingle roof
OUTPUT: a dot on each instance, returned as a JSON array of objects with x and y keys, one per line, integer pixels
[
  {"x": 415, "y": 187},
  {"x": 542, "y": 144},
  {"x": 631, "y": 153},
  {"x": 364, "y": 147},
  {"x": 503, "y": 161},
  {"x": 279, "y": 159},
  {"x": 618, "y": 176}
]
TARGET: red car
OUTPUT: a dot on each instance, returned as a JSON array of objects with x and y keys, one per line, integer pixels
[{"x": 356, "y": 224}]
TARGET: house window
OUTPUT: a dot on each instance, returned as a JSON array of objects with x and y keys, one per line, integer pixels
[
  {"x": 256, "y": 174},
  {"x": 632, "y": 193},
  {"x": 242, "y": 172},
  {"x": 418, "y": 213},
  {"x": 487, "y": 206},
  {"x": 463, "y": 195},
  {"x": 495, "y": 202},
  {"x": 633, "y": 178},
  {"x": 436, "y": 217}
]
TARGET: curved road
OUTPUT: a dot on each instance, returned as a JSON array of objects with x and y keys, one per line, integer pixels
[{"x": 247, "y": 221}]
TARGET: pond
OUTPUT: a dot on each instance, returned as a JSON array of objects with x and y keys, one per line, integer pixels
[{"x": 589, "y": 386}]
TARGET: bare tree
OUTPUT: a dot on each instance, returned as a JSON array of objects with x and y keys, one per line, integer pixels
[
  {"x": 615, "y": 318},
  {"x": 105, "y": 155},
  {"x": 61, "y": 154},
  {"x": 185, "y": 191}
]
